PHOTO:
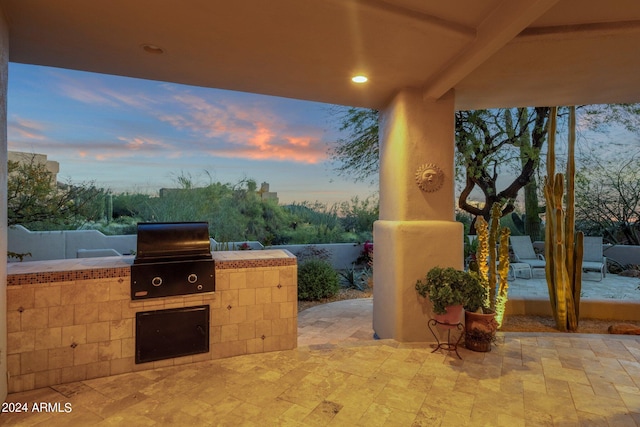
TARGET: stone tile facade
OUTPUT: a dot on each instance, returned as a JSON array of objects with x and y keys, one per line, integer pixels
[{"x": 81, "y": 323}]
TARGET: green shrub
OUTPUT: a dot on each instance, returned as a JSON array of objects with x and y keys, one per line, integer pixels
[
  {"x": 316, "y": 280},
  {"x": 448, "y": 286}
]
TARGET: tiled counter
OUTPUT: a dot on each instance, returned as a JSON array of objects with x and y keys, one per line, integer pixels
[{"x": 71, "y": 320}]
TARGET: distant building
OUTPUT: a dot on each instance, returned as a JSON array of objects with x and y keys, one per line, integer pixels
[
  {"x": 25, "y": 158},
  {"x": 265, "y": 194}
]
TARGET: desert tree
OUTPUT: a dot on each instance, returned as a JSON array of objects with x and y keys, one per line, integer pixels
[
  {"x": 357, "y": 154},
  {"x": 490, "y": 143},
  {"x": 487, "y": 143},
  {"x": 608, "y": 198},
  {"x": 36, "y": 201}
]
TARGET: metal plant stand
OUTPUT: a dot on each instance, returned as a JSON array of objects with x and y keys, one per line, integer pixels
[{"x": 448, "y": 345}]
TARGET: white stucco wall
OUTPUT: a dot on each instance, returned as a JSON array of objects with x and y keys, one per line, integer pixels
[
  {"x": 46, "y": 245},
  {"x": 417, "y": 228},
  {"x": 49, "y": 245},
  {"x": 4, "y": 72},
  {"x": 343, "y": 255}
]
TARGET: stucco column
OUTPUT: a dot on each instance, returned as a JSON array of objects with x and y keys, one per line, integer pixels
[
  {"x": 4, "y": 71},
  {"x": 417, "y": 228}
]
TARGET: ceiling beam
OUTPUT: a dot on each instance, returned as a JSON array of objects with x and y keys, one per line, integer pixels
[
  {"x": 599, "y": 29},
  {"x": 506, "y": 21},
  {"x": 453, "y": 29}
]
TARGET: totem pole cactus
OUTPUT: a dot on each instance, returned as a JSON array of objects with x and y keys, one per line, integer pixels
[
  {"x": 482, "y": 254},
  {"x": 493, "y": 276},
  {"x": 563, "y": 246}
]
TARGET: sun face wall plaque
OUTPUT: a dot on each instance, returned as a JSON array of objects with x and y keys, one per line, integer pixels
[{"x": 429, "y": 177}]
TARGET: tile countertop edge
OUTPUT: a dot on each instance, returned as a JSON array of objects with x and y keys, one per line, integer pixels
[{"x": 118, "y": 266}]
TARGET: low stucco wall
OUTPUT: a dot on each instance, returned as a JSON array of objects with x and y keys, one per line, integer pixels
[
  {"x": 342, "y": 255},
  {"x": 589, "y": 309},
  {"x": 68, "y": 244},
  {"x": 51, "y": 245}
]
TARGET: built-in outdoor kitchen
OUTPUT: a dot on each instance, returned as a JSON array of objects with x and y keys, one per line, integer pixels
[{"x": 174, "y": 303}]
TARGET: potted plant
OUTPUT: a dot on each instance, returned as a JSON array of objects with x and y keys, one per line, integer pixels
[
  {"x": 449, "y": 291},
  {"x": 480, "y": 325},
  {"x": 483, "y": 316}
]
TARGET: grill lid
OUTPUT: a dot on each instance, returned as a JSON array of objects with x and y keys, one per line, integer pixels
[{"x": 172, "y": 241}]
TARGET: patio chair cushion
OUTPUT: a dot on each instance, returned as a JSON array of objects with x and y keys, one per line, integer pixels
[
  {"x": 536, "y": 263},
  {"x": 592, "y": 259},
  {"x": 522, "y": 247}
]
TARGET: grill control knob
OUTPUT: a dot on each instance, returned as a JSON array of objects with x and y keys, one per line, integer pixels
[
  {"x": 192, "y": 278},
  {"x": 156, "y": 281}
]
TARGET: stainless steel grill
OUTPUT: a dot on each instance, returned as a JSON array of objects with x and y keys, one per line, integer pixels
[{"x": 172, "y": 258}]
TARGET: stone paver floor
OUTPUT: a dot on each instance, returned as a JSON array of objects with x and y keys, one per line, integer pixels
[
  {"x": 340, "y": 376},
  {"x": 611, "y": 287}
]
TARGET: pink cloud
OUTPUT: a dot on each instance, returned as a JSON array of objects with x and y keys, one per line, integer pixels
[
  {"x": 91, "y": 90},
  {"x": 240, "y": 131},
  {"x": 131, "y": 145},
  {"x": 221, "y": 126},
  {"x": 300, "y": 141},
  {"x": 25, "y": 129},
  {"x": 86, "y": 96},
  {"x": 139, "y": 143}
]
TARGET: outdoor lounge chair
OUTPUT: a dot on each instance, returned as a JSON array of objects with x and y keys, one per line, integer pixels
[
  {"x": 524, "y": 253},
  {"x": 592, "y": 259}
]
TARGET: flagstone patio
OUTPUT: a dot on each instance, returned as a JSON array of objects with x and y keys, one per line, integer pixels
[{"x": 339, "y": 375}]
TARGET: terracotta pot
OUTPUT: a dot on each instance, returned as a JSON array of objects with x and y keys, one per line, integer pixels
[
  {"x": 480, "y": 330},
  {"x": 452, "y": 317}
]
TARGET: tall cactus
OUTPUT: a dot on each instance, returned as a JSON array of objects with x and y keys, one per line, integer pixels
[
  {"x": 500, "y": 299},
  {"x": 482, "y": 254},
  {"x": 494, "y": 279},
  {"x": 563, "y": 246}
]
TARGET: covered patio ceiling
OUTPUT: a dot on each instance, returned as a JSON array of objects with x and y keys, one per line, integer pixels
[{"x": 494, "y": 53}]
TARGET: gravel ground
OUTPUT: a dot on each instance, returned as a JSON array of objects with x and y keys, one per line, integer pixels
[
  {"x": 511, "y": 323},
  {"x": 547, "y": 324}
]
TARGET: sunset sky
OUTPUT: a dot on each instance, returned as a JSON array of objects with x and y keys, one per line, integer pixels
[{"x": 137, "y": 135}]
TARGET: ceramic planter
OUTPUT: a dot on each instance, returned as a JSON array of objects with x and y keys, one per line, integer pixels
[
  {"x": 452, "y": 317},
  {"x": 480, "y": 330}
]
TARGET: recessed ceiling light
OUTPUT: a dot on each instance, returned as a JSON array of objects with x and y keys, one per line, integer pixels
[
  {"x": 359, "y": 79},
  {"x": 151, "y": 48}
]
